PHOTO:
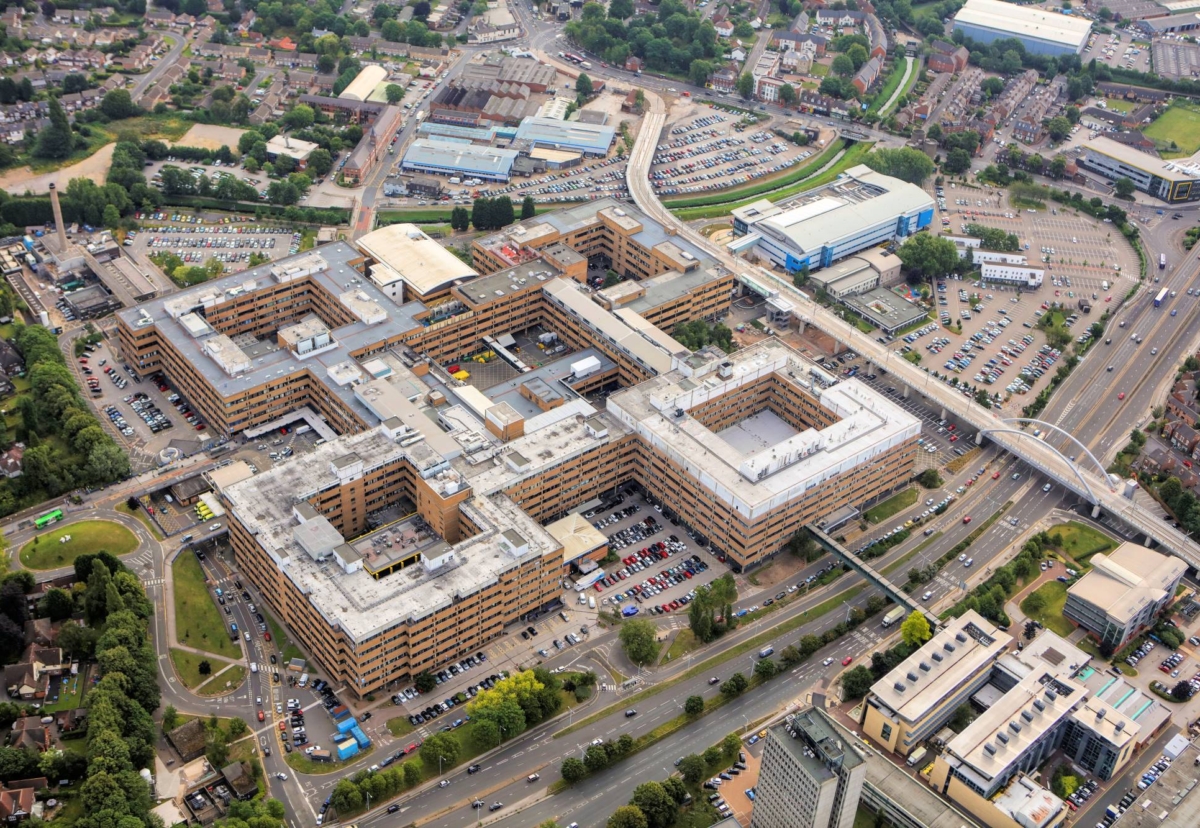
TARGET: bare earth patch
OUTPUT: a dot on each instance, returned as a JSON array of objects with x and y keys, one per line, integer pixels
[
  {"x": 19, "y": 181},
  {"x": 209, "y": 136}
]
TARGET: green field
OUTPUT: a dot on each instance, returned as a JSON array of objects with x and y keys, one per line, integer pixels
[
  {"x": 894, "y": 504},
  {"x": 1054, "y": 593},
  {"x": 227, "y": 682},
  {"x": 87, "y": 537},
  {"x": 187, "y": 666},
  {"x": 1179, "y": 125},
  {"x": 199, "y": 622},
  {"x": 1081, "y": 541},
  {"x": 1118, "y": 105}
]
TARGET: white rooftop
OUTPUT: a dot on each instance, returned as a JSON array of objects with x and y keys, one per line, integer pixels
[
  {"x": 1026, "y": 21},
  {"x": 1122, "y": 582},
  {"x": 412, "y": 256}
]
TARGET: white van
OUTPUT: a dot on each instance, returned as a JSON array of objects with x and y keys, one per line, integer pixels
[
  {"x": 591, "y": 603},
  {"x": 304, "y": 680},
  {"x": 253, "y": 666}
]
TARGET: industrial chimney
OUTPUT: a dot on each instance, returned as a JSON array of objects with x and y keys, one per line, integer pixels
[{"x": 58, "y": 219}]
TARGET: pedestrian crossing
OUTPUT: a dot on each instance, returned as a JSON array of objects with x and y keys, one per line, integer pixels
[{"x": 154, "y": 582}]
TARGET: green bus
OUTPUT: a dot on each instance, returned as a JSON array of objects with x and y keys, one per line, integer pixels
[{"x": 48, "y": 518}]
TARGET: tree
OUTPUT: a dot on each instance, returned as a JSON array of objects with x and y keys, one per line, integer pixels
[
  {"x": 595, "y": 758},
  {"x": 394, "y": 92},
  {"x": 957, "y": 161},
  {"x": 424, "y": 682},
  {"x": 1058, "y": 128},
  {"x": 237, "y": 727},
  {"x": 735, "y": 685},
  {"x": 118, "y": 104},
  {"x": 628, "y": 816},
  {"x": 692, "y": 768},
  {"x": 112, "y": 217},
  {"x": 694, "y": 705},
  {"x": 1182, "y": 691},
  {"x": 620, "y": 9},
  {"x": 790, "y": 656},
  {"x": 765, "y": 669},
  {"x": 441, "y": 750},
  {"x": 745, "y": 85},
  {"x": 204, "y": 668},
  {"x": 927, "y": 255},
  {"x": 320, "y": 162},
  {"x": 915, "y": 629},
  {"x": 170, "y": 719},
  {"x": 1123, "y": 187},
  {"x": 843, "y": 66},
  {"x": 57, "y": 604},
  {"x": 55, "y": 139},
  {"x": 856, "y": 682},
  {"x": 583, "y": 85},
  {"x": 573, "y": 770},
  {"x": 639, "y": 638},
  {"x": 528, "y": 208},
  {"x": 858, "y": 55},
  {"x": 906, "y": 164},
  {"x": 655, "y": 803},
  {"x": 787, "y": 94}
]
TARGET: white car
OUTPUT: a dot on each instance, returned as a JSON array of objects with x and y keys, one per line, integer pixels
[
  {"x": 828, "y": 661},
  {"x": 281, "y": 777}
]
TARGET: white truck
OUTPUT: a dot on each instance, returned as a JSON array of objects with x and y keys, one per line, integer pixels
[
  {"x": 916, "y": 756},
  {"x": 894, "y": 614}
]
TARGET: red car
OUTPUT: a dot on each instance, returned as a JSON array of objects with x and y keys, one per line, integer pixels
[
  {"x": 847, "y": 660},
  {"x": 967, "y": 519},
  {"x": 261, "y": 717},
  {"x": 996, "y": 476},
  {"x": 1121, "y": 396}
]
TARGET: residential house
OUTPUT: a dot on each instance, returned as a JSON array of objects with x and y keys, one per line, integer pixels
[
  {"x": 947, "y": 57},
  {"x": 1182, "y": 436},
  {"x": 240, "y": 780},
  {"x": 29, "y": 677},
  {"x": 160, "y": 17},
  {"x": 302, "y": 60},
  {"x": 843, "y": 19},
  {"x": 184, "y": 21},
  {"x": 1133, "y": 93},
  {"x": 13, "y": 20},
  {"x": 11, "y": 361},
  {"x": 190, "y": 740},
  {"x": 28, "y": 732},
  {"x": 1135, "y": 139},
  {"x": 259, "y": 55},
  {"x": 117, "y": 81},
  {"x": 723, "y": 79},
  {"x": 738, "y": 55},
  {"x": 247, "y": 21},
  {"x": 1181, "y": 404},
  {"x": 1157, "y": 460},
  {"x": 79, "y": 101},
  {"x": 216, "y": 7},
  {"x": 723, "y": 25},
  {"x": 633, "y": 63},
  {"x": 877, "y": 37},
  {"x": 16, "y": 804},
  {"x": 767, "y": 87},
  {"x": 282, "y": 44},
  {"x": 71, "y": 720},
  {"x": 867, "y": 75},
  {"x": 42, "y": 631}
]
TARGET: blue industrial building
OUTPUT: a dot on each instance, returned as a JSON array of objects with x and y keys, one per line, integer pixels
[{"x": 1042, "y": 32}]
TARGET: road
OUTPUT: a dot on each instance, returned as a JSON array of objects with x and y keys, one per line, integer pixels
[{"x": 144, "y": 82}]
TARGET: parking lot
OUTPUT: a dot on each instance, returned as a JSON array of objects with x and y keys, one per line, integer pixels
[
  {"x": 706, "y": 151},
  {"x": 1117, "y": 49},
  {"x": 230, "y": 240}
]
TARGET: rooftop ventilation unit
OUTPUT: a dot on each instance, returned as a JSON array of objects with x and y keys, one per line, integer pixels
[
  {"x": 1040, "y": 705},
  {"x": 1003, "y": 737},
  {"x": 937, "y": 657},
  {"x": 1100, "y": 714},
  {"x": 924, "y": 666},
  {"x": 948, "y": 647},
  {"x": 1119, "y": 726},
  {"x": 1050, "y": 695},
  {"x": 912, "y": 676},
  {"x": 899, "y": 687},
  {"x": 989, "y": 749},
  {"x": 961, "y": 637},
  {"x": 1014, "y": 727},
  {"x": 1027, "y": 715}
]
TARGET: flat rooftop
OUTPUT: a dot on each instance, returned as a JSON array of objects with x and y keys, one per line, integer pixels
[
  {"x": 884, "y": 308},
  {"x": 1124, "y": 581},
  {"x": 179, "y": 318},
  {"x": 867, "y": 425},
  {"x": 1026, "y": 21},
  {"x": 956, "y": 654},
  {"x": 270, "y": 505},
  {"x": 1175, "y": 169},
  {"x": 1172, "y": 801},
  {"x": 425, "y": 153}
]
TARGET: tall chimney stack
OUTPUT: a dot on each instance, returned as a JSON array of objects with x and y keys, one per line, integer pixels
[{"x": 58, "y": 219}]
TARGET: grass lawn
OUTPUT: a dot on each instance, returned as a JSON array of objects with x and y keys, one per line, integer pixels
[
  {"x": 198, "y": 621},
  {"x": 1118, "y": 105},
  {"x": 1054, "y": 594},
  {"x": 894, "y": 504},
  {"x": 88, "y": 536},
  {"x": 187, "y": 666},
  {"x": 143, "y": 517},
  {"x": 70, "y": 693},
  {"x": 819, "y": 70},
  {"x": 227, "y": 682},
  {"x": 1180, "y": 125},
  {"x": 683, "y": 644},
  {"x": 1081, "y": 541},
  {"x": 399, "y": 726},
  {"x": 302, "y": 764}
]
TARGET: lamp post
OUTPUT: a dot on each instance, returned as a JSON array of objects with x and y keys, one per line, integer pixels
[{"x": 440, "y": 758}]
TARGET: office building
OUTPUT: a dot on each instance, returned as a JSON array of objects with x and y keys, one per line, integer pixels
[
  {"x": 916, "y": 699},
  {"x": 590, "y": 139},
  {"x": 808, "y": 778},
  {"x": 1015, "y": 275},
  {"x": 888, "y": 311},
  {"x": 862, "y": 209},
  {"x": 1170, "y": 181},
  {"x": 1041, "y": 31},
  {"x": 375, "y": 144},
  {"x": 1123, "y": 592}
]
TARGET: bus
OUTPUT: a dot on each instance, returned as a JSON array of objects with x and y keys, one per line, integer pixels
[
  {"x": 573, "y": 58},
  {"x": 1162, "y": 261},
  {"x": 1158, "y": 300},
  {"x": 48, "y": 518}
]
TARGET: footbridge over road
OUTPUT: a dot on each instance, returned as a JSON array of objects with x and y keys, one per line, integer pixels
[
  {"x": 1113, "y": 496},
  {"x": 873, "y": 576}
]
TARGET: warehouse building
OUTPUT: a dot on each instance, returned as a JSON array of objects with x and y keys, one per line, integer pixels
[
  {"x": 458, "y": 159},
  {"x": 407, "y": 265},
  {"x": 1171, "y": 181},
  {"x": 551, "y": 133},
  {"x": 1123, "y": 592},
  {"x": 1042, "y": 32},
  {"x": 860, "y": 210}
]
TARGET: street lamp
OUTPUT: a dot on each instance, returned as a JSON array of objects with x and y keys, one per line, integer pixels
[{"x": 440, "y": 758}]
